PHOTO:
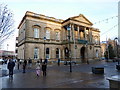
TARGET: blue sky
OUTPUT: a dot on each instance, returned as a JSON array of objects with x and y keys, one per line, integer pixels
[{"x": 94, "y": 10}]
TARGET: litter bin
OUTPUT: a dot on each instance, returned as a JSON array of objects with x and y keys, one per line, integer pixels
[
  {"x": 114, "y": 82},
  {"x": 98, "y": 70},
  {"x": 118, "y": 67}
]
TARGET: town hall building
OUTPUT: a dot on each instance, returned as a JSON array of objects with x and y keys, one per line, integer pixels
[{"x": 43, "y": 37}]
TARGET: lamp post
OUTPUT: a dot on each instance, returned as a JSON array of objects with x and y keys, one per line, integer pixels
[
  {"x": 116, "y": 49},
  {"x": 87, "y": 52},
  {"x": 69, "y": 28},
  {"x": 44, "y": 47},
  {"x": 7, "y": 50}
]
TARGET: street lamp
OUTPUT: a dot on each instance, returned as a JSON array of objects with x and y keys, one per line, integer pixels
[
  {"x": 116, "y": 49},
  {"x": 69, "y": 28},
  {"x": 7, "y": 50},
  {"x": 44, "y": 47},
  {"x": 87, "y": 52}
]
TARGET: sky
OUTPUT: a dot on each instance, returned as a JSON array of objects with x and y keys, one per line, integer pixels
[{"x": 93, "y": 10}]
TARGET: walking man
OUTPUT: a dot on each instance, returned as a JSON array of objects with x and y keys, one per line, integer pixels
[
  {"x": 10, "y": 67},
  {"x": 30, "y": 63},
  {"x": 58, "y": 62},
  {"x": 24, "y": 65},
  {"x": 44, "y": 67},
  {"x": 18, "y": 61}
]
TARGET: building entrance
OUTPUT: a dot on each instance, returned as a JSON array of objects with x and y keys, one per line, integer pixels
[{"x": 82, "y": 52}]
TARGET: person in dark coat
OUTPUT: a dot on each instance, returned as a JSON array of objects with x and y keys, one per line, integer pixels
[
  {"x": 24, "y": 65},
  {"x": 44, "y": 67},
  {"x": 45, "y": 61},
  {"x": 10, "y": 67},
  {"x": 41, "y": 60},
  {"x": 30, "y": 63},
  {"x": 58, "y": 62},
  {"x": 18, "y": 61}
]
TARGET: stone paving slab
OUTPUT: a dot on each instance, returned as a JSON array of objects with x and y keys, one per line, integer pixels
[{"x": 60, "y": 77}]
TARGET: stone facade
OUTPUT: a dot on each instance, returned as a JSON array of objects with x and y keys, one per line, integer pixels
[{"x": 41, "y": 36}]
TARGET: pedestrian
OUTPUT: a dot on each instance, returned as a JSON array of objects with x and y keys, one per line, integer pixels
[
  {"x": 38, "y": 63},
  {"x": 45, "y": 61},
  {"x": 41, "y": 60},
  {"x": 44, "y": 67},
  {"x": 58, "y": 62},
  {"x": 38, "y": 68},
  {"x": 10, "y": 67},
  {"x": 30, "y": 63},
  {"x": 18, "y": 61},
  {"x": 24, "y": 65},
  {"x": 87, "y": 62}
]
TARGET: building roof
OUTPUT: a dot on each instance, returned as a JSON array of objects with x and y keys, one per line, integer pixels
[{"x": 80, "y": 18}]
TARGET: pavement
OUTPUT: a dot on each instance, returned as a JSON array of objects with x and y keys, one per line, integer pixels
[{"x": 60, "y": 76}]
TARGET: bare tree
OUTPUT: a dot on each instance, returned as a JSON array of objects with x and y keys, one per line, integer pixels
[{"x": 6, "y": 23}]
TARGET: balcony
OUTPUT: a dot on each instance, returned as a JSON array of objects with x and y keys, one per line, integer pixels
[{"x": 82, "y": 41}]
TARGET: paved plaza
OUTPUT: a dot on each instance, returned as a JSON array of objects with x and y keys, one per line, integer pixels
[{"x": 60, "y": 77}]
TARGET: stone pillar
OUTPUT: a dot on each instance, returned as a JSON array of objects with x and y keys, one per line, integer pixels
[
  {"x": 78, "y": 32},
  {"x": 85, "y": 34},
  {"x": 90, "y": 35},
  {"x": 72, "y": 32}
]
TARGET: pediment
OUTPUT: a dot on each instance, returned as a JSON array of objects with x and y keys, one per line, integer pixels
[{"x": 82, "y": 18}]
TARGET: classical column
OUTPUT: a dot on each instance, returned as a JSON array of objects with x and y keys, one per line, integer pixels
[
  {"x": 90, "y": 36},
  {"x": 78, "y": 32},
  {"x": 72, "y": 32},
  {"x": 85, "y": 33}
]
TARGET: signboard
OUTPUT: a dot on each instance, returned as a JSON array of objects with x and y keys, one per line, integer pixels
[{"x": 82, "y": 41}]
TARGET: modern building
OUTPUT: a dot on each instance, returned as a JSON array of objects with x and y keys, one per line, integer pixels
[
  {"x": 41, "y": 36},
  {"x": 7, "y": 54}
]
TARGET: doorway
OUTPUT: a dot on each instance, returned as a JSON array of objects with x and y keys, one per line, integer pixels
[{"x": 82, "y": 52}]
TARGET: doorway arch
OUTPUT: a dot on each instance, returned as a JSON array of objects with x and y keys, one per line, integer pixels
[{"x": 82, "y": 52}]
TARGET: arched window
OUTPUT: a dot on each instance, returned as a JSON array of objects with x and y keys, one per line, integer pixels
[
  {"x": 36, "y": 32},
  {"x": 47, "y": 53},
  {"x": 96, "y": 40},
  {"x": 47, "y": 34},
  {"x": 57, "y": 34},
  {"x": 57, "y": 53},
  {"x": 36, "y": 53}
]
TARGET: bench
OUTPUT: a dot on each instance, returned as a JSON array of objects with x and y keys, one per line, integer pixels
[{"x": 98, "y": 70}]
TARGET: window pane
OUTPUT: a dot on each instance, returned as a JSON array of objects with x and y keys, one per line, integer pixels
[
  {"x": 36, "y": 33},
  {"x": 57, "y": 53},
  {"x": 47, "y": 34},
  {"x": 47, "y": 53},
  {"x": 36, "y": 53},
  {"x": 57, "y": 36}
]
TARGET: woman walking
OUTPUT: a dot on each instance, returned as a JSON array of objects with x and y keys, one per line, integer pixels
[{"x": 38, "y": 68}]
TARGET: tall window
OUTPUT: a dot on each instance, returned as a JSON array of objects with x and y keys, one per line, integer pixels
[
  {"x": 47, "y": 53},
  {"x": 96, "y": 40},
  {"x": 57, "y": 35},
  {"x": 76, "y": 34},
  {"x": 36, "y": 33},
  {"x": 57, "y": 53},
  {"x": 97, "y": 53},
  {"x": 47, "y": 34},
  {"x": 36, "y": 53}
]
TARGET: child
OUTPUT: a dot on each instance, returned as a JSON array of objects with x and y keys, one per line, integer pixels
[{"x": 38, "y": 70}]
